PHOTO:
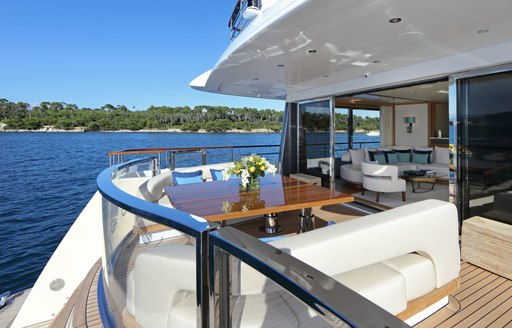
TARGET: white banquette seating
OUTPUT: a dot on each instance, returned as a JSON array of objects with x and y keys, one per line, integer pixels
[
  {"x": 439, "y": 160},
  {"x": 153, "y": 189},
  {"x": 404, "y": 256}
]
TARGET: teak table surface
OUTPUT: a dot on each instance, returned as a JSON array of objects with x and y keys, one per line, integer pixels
[{"x": 222, "y": 200}]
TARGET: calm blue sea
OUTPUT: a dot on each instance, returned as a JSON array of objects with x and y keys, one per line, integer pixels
[{"x": 47, "y": 179}]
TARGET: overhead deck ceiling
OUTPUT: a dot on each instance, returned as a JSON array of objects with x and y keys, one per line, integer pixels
[{"x": 339, "y": 46}]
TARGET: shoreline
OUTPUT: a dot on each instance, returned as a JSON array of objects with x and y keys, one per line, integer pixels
[
  {"x": 2, "y": 130},
  {"x": 83, "y": 130}
]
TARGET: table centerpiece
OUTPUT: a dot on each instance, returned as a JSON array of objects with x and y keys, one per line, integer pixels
[{"x": 249, "y": 169}]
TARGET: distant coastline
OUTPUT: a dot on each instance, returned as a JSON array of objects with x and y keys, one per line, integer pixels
[
  {"x": 82, "y": 130},
  {"x": 51, "y": 129}
]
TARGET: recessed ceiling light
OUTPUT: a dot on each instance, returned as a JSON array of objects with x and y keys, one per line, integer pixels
[
  {"x": 482, "y": 31},
  {"x": 395, "y": 20},
  {"x": 312, "y": 51},
  {"x": 360, "y": 63}
]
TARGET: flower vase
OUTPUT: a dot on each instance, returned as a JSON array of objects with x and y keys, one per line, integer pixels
[{"x": 252, "y": 185}]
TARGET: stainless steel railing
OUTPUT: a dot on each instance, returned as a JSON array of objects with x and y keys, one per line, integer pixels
[{"x": 237, "y": 21}]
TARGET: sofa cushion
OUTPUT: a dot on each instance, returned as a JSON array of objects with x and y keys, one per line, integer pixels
[
  {"x": 404, "y": 155},
  {"x": 377, "y": 156},
  {"x": 391, "y": 157},
  {"x": 258, "y": 310},
  {"x": 367, "y": 153},
  {"x": 418, "y": 272},
  {"x": 378, "y": 283},
  {"x": 216, "y": 174},
  {"x": 442, "y": 155},
  {"x": 180, "y": 178},
  {"x": 421, "y": 157},
  {"x": 356, "y": 156}
]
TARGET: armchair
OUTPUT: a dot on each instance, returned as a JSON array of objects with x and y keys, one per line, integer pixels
[{"x": 382, "y": 178}]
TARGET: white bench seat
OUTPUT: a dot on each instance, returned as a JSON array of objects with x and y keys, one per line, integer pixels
[{"x": 391, "y": 258}]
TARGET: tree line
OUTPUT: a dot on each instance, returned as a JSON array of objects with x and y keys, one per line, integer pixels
[{"x": 60, "y": 115}]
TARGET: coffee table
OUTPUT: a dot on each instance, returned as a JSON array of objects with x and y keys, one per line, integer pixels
[{"x": 417, "y": 180}]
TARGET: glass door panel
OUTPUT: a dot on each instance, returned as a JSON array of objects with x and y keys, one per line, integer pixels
[
  {"x": 366, "y": 128},
  {"x": 314, "y": 139},
  {"x": 485, "y": 146},
  {"x": 341, "y": 126}
]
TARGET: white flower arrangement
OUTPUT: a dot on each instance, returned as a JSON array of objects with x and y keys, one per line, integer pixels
[{"x": 249, "y": 168}]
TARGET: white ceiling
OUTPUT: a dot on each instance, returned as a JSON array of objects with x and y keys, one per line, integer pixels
[{"x": 272, "y": 58}]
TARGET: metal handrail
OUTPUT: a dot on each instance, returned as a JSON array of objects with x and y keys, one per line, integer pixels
[
  {"x": 237, "y": 22},
  {"x": 169, "y": 153}
]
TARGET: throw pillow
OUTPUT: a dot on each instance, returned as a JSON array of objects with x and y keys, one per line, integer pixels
[
  {"x": 442, "y": 155},
  {"x": 420, "y": 157},
  {"x": 391, "y": 157},
  {"x": 380, "y": 157},
  {"x": 421, "y": 152},
  {"x": 356, "y": 156},
  {"x": 181, "y": 178},
  {"x": 371, "y": 155},
  {"x": 216, "y": 174},
  {"x": 404, "y": 155}
]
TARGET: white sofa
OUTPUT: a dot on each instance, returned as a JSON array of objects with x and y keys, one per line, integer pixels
[
  {"x": 394, "y": 258},
  {"x": 351, "y": 172},
  {"x": 153, "y": 189}
]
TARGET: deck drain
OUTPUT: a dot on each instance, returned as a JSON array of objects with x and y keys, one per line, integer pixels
[{"x": 57, "y": 284}]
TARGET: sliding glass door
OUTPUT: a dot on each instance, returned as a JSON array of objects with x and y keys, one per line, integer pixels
[
  {"x": 314, "y": 139},
  {"x": 484, "y": 143}
]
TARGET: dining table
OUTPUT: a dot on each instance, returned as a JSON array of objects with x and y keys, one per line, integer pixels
[{"x": 223, "y": 200}]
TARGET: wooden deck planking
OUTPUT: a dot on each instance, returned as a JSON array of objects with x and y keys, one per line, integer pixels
[
  {"x": 92, "y": 314},
  {"x": 485, "y": 301}
]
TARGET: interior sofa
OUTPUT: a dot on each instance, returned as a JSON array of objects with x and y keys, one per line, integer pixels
[
  {"x": 406, "y": 260},
  {"x": 404, "y": 157}
]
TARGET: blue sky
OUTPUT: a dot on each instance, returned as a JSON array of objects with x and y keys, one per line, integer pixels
[{"x": 96, "y": 52}]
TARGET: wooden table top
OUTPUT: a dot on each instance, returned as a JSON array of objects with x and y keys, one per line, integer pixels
[{"x": 222, "y": 200}]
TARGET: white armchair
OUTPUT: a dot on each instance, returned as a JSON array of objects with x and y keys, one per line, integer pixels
[{"x": 382, "y": 178}]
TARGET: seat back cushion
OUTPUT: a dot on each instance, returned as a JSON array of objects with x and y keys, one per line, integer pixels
[
  {"x": 181, "y": 178},
  {"x": 421, "y": 157},
  {"x": 404, "y": 155},
  {"x": 357, "y": 156},
  {"x": 442, "y": 155},
  {"x": 216, "y": 174}
]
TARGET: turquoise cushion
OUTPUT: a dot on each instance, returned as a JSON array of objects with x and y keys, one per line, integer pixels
[
  {"x": 420, "y": 158},
  {"x": 380, "y": 158},
  {"x": 403, "y": 155},
  {"x": 181, "y": 178},
  {"x": 216, "y": 174},
  {"x": 427, "y": 152},
  {"x": 392, "y": 157}
]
